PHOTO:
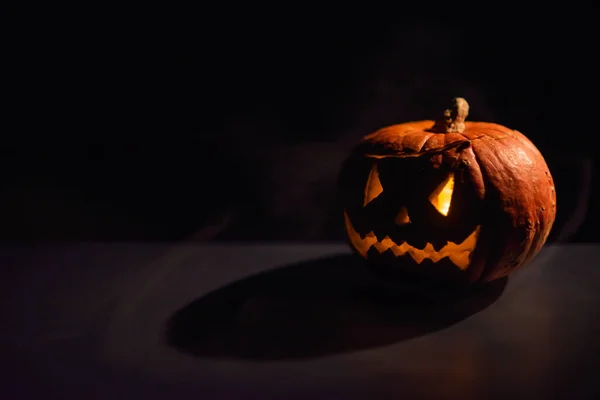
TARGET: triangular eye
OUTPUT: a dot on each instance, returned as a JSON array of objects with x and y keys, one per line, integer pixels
[
  {"x": 442, "y": 195},
  {"x": 402, "y": 217},
  {"x": 373, "y": 187}
]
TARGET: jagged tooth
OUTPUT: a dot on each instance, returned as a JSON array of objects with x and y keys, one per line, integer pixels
[
  {"x": 380, "y": 247},
  {"x": 431, "y": 253},
  {"x": 471, "y": 246},
  {"x": 372, "y": 240},
  {"x": 418, "y": 243},
  {"x": 416, "y": 255},
  {"x": 470, "y": 242},
  {"x": 461, "y": 260},
  {"x": 438, "y": 244},
  {"x": 406, "y": 248},
  {"x": 397, "y": 250},
  {"x": 381, "y": 236},
  {"x": 384, "y": 244},
  {"x": 387, "y": 242},
  {"x": 428, "y": 248}
]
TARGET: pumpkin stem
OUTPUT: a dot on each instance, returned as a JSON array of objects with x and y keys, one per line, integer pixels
[{"x": 453, "y": 120}]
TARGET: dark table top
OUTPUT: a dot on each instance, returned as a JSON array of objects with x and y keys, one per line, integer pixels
[{"x": 133, "y": 320}]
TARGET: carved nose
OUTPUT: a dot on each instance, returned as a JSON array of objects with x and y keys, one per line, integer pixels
[{"x": 402, "y": 217}]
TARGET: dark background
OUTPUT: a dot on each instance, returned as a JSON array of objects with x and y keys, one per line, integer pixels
[{"x": 142, "y": 123}]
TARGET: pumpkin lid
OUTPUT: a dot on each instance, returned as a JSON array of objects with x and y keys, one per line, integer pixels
[{"x": 418, "y": 137}]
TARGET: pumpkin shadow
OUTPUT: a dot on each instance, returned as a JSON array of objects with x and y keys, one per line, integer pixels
[{"x": 316, "y": 308}]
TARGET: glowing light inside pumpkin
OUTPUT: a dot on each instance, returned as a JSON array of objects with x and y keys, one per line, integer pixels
[
  {"x": 402, "y": 217},
  {"x": 459, "y": 254},
  {"x": 442, "y": 195},
  {"x": 373, "y": 187}
]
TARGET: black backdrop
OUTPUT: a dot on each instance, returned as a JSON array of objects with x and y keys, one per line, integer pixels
[{"x": 146, "y": 123}]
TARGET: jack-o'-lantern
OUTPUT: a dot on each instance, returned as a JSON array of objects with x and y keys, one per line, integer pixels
[{"x": 448, "y": 199}]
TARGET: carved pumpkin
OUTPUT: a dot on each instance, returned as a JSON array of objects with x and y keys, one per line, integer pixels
[{"x": 451, "y": 200}]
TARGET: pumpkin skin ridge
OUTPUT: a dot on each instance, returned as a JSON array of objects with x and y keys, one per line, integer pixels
[{"x": 510, "y": 189}]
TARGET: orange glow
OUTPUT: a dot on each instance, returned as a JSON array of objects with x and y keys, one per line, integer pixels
[
  {"x": 402, "y": 217},
  {"x": 442, "y": 195},
  {"x": 459, "y": 254},
  {"x": 373, "y": 187}
]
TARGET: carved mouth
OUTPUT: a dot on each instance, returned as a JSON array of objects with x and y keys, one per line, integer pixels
[{"x": 459, "y": 254}]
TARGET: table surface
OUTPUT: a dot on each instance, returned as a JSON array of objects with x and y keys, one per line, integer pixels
[{"x": 224, "y": 321}]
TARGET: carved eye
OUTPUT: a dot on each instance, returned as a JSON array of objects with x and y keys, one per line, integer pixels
[
  {"x": 373, "y": 187},
  {"x": 442, "y": 195}
]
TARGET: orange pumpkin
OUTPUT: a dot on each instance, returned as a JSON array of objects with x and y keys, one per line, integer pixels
[{"x": 448, "y": 199}]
